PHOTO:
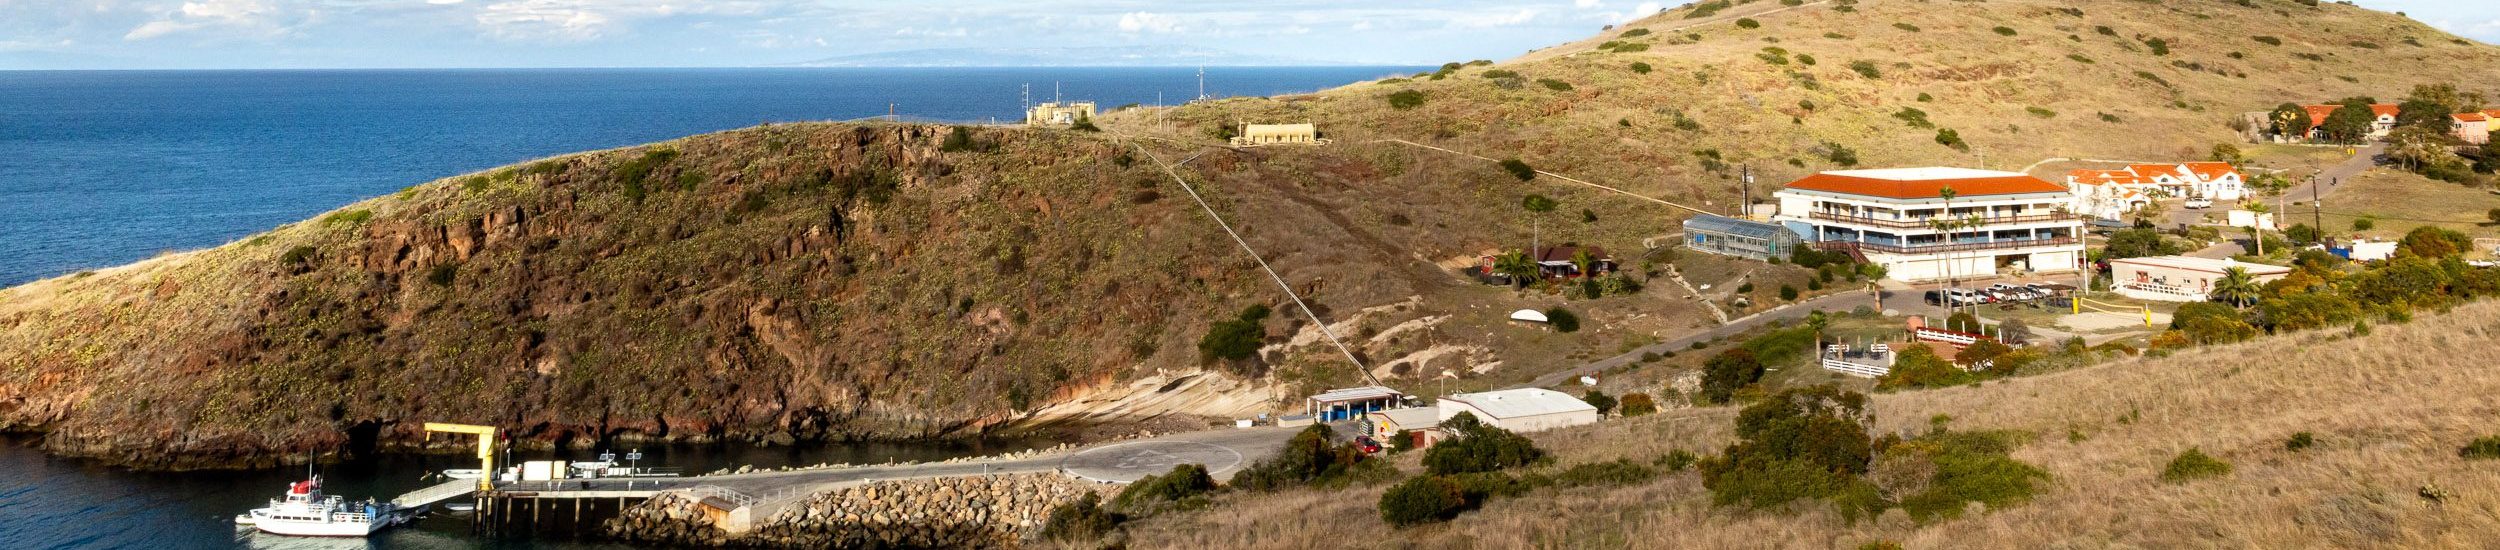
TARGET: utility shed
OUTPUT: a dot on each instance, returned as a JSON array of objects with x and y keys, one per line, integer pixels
[
  {"x": 2181, "y": 278},
  {"x": 1350, "y": 403},
  {"x": 1416, "y": 424},
  {"x": 1253, "y": 135},
  {"x": 1734, "y": 237},
  {"x": 1520, "y": 410}
]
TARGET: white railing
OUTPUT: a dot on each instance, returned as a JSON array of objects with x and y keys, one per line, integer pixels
[
  {"x": 2159, "y": 291},
  {"x": 1854, "y": 368},
  {"x": 724, "y": 493},
  {"x": 1933, "y": 334}
]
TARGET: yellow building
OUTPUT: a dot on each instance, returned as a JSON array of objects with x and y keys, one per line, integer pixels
[
  {"x": 1253, "y": 135},
  {"x": 1062, "y": 114}
]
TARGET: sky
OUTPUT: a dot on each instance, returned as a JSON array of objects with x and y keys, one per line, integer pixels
[{"x": 204, "y": 34}]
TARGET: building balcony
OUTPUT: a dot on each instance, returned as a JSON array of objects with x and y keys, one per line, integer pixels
[
  {"x": 1901, "y": 223},
  {"x": 1940, "y": 248}
]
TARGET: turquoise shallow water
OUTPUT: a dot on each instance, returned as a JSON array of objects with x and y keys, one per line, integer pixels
[{"x": 103, "y": 168}]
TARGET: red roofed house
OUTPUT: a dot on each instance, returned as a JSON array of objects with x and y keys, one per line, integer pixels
[
  {"x": 2383, "y": 121},
  {"x": 2015, "y": 221},
  {"x": 2108, "y": 194},
  {"x": 2474, "y": 128}
]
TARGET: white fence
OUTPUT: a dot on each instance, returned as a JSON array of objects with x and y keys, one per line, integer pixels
[
  {"x": 1854, "y": 368},
  {"x": 2157, "y": 291}
]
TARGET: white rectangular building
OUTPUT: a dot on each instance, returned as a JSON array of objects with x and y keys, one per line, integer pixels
[
  {"x": 2180, "y": 278},
  {"x": 1897, "y": 218},
  {"x": 1520, "y": 410}
]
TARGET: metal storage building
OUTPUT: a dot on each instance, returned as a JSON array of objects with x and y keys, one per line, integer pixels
[{"x": 1740, "y": 238}]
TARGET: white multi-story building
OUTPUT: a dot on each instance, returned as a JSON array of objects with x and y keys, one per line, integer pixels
[{"x": 1898, "y": 218}]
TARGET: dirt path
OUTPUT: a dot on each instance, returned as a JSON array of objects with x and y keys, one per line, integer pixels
[{"x": 1840, "y": 302}]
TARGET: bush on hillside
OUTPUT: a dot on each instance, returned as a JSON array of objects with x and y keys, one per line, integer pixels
[
  {"x": 1961, "y": 468},
  {"x": 1802, "y": 443},
  {"x": 1420, "y": 500},
  {"x": 2007, "y": 31},
  {"x": 1475, "y": 447},
  {"x": 1562, "y": 320},
  {"x": 1237, "y": 338},
  {"x": 1184, "y": 487},
  {"x": 1725, "y": 373},
  {"x": 1839, "y": 154},
  {"x": 1306, "y": 459},
  {"x": 1866, "y": 69},
  {"x": 1599, "y": 399},
  {"x": 2194, "y": 465},
  {"x": 2481, "y": 449},
  {"x": 1640, "y": 68},
  {"x": 1406, "y": 99},
  {"x": 1748, "y": 23},
  {"x": 1905, "y": 26},
  {"x": 1620, "y": 472},
  {"x": 2299, "y": 442},
  {"x": 1081, "y": 521},
  {"x": 1555, "y": 85},
  {"x": 1949, "y": 138},
  {"x": 1638, "y": 404}
]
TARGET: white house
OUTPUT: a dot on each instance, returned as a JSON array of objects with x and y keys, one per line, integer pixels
[
  {"x": 2108, "y": 194},
  {"x": 2180, "y": 278},
  {"x": 1999, "y": 221},
  {"x": 1520, "y": 410}
]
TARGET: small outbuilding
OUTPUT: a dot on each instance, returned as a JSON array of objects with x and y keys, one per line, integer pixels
[
  {"x": 1059, "y": 114},
  {"x": 1744, "y": 239},
  {"x": 1417, "y": 424},
  {"x": 2181, "y": 278},
  {"x": 1253, "y": 135},
  {"x": 1350, "y": 403},
  {"x": 1520, "y": 410}
]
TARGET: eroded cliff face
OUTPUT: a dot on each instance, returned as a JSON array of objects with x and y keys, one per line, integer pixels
[{"x": 783, "y": 282}]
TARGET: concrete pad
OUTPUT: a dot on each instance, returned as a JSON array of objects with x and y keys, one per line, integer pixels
[{"x": 1127, "y": 462}]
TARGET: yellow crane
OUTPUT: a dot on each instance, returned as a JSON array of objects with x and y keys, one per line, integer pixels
[{"x": 485, "y": 449}]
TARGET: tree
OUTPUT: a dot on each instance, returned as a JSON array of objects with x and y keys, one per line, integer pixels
[
  {"x": 1638, "y": 404},
  {"x": 2236, "y": 287},
  {"x": 1517, "y": 266},
  {"x": 2434, "y": 243},
  {"x": 1475, "y": 447},
  {"x": 1978, "y": 355},
  {"x": 2138, "y": 243},
  {"x": 1801, "y": 443},
  {"x": 1563, "y": 320},
  {"x": 1727, "y": 372},
  {"x": 2301, "y": 233},
  {"x": 1599, "y": 399},
  {"x": 1235, "y": 339},
  {"x": 2290, "y": 120},
  {"x": 1537, "y": 206},
  {"x": 2225, "y": 152},
  {"x": 1585, "y": 262},
  {"x": 2014, "y": 330},
  {"x": 2349, "y": 123},
  {"x": 1420, "y": 500}
]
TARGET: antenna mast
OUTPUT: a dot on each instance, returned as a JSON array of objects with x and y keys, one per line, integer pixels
[{"x": 1202, "y": 82}]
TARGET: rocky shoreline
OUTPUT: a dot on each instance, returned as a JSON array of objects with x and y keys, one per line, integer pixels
[{"x": 992, "y": 511}]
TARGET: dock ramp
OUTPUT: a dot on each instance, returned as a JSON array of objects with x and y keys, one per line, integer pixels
[{"x": 446, "y": 491}]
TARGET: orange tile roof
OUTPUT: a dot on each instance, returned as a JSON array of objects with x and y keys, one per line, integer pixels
[
  {"x": 2318, "y": 113},
  {"x": 1925, "y": 183},
  {"x": 2470, "y": 117},
  {"x": 2211, "y": 170},
  {"x": 2384, "y": 109},
  {"x": 2104, "y": 177},
  {"x": 2151, "y": 170}
]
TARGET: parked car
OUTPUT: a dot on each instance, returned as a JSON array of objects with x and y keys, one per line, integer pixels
[
  {"x": 2019, "y": 292},
  {"x": 2200, "y": 203},
  {"x": 1367, "y": 444}
]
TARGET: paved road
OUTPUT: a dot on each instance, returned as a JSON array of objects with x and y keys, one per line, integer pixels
[
  {"x": 1840, "y": 302},
  {"x": 2361, "y": 161}
]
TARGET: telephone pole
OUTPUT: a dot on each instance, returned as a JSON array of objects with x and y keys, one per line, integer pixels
[{"x": 1745, "y": 209}]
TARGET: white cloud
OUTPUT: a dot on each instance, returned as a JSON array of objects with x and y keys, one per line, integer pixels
[
  {"x": 1645, "y": 9},
  {"x": 1136, "y": 22},
  {"x": 553, "y": 20},
  {"x": 252, "y": 19},
  {"x": 1585, "y": 4},
  {"x": 1491, "y": 20}
]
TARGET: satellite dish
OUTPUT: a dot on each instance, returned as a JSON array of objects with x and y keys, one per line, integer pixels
[{"x": 1529, "y": 315}]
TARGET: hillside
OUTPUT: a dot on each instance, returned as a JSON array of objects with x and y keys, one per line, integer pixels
[
  {"x": 1780, "y": 95},
  {"x": 817, "y": 281},
  {"x": 2388, "y": 411}
]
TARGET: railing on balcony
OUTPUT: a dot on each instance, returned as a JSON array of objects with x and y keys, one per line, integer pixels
[
  {"x": 1899, "y": 223},
  {"x": 1846, "y": 246}
]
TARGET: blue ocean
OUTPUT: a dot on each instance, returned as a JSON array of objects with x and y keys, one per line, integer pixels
[
  {"x": 104, "y": 168},
  {"x": 107, "y": 167}
]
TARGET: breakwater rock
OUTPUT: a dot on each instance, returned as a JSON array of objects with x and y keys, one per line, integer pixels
[{"x": 997, "y": 511}]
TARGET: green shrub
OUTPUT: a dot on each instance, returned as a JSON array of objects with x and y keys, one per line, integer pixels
[
  {"x": 1237, "y": 338},
  {"x": 348, "y": 217},
  {"x": 296, "y": 256},
  {"x": 958, "y": 140},
  {"x": 1475, "y": 447},
  {"x": 2299, "y": 442},
  {"x": 2007, "y": 31},
  {"x": 1637, "y": 404},
  {"x": 1807, "y": 60},
  {"x": 1640, "y": 68},
  {"x": 475, "y": 184},
  {"x": 632, "y": 172},
  {"x": 1555, "y": 85},
  {"x": 2481, "y": 449},
  {"x": 1968, "y": 467},
  {"x": 1949, "y": 138},
  {"x": 1725, "y": 373},
  {"x": 1501, "y": 73},
  {"x": 1839, "y": 154},
  {"x": 1788, "y": 293},
  {"x": 1618, "y": 473},
  {"x": 2040, "y": 112},
  {"x": 1518, "y": 169},
  {"x": 1905, "y": 26},
  {"x": 1406, "y": 99},
  {"x": 1866, "y": 69},
  {"x": 1748, "y": 23},
  {"x": 1085, "y": 125},
  {"x": 1677, "y": 460},
  {"x": 1420, "y": 500},
  {"x": 442, "y": 274},
  {"x": 1306, "y": 459},
  {"x": 2194, "y": 465},
  {"x": 1080, "y": 521},
  {"x": 1603, "y": 402},
  {"x": 2268, "y": 40},
  {"x": 1563, "y": 320},
  {"x": 1155, "y": 492},
  {"x": 2159, "y": 46},
  {"x": 1914, "y": 117},
  {"x": 1706, "y": 9},
  {"x": 1634, "y": 33}
]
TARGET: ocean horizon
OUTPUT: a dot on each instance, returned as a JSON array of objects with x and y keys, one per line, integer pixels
[{"x": 114, "y": 166}]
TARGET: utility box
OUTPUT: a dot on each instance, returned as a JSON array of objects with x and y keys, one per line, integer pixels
[{"x": 542, "y": 470}]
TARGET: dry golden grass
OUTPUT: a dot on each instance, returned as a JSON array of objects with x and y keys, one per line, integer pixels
[{"x": 2389, "y": 411}]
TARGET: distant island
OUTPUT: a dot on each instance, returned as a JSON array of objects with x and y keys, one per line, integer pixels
[{"x": 1099, "y": 56}]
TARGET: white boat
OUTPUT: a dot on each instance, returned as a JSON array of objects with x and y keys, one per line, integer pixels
[
  {"x": 305, "y": 512},
  {"x": 463, "y": 473}
]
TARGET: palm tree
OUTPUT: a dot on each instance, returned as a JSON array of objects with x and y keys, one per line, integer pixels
[
  {"x": 1517, "y": 266},
  {"x": 1947, "y": 225},
  {"x": 1538, "y": 205},
  {"x": 2236, "y": 287},
  {"x": 1585, "y": 262}
]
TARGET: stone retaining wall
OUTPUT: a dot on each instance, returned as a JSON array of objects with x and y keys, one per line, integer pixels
[{"x": 957, "y": 512}]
